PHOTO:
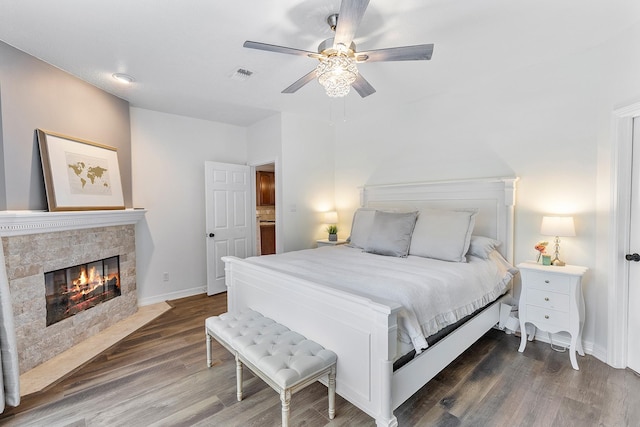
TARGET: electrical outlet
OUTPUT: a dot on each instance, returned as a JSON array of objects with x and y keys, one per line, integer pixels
[{"x": 165, "y": 277}]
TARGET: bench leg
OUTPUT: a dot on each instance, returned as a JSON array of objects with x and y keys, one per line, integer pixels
[
  {"x": 285, "y": 398},
  {"x": 209, "y": 363},
  {"x": 239, "y": 378},
  {"x": 332, "y": 393}
]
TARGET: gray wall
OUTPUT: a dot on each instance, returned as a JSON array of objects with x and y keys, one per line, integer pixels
[{"x": 33, "y": 95}]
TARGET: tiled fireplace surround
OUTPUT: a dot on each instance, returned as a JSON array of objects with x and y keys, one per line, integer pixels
[{"x": 36, "y": 242}]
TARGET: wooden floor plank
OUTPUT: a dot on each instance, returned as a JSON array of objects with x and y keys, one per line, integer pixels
[{"x": 158, "y": 376}]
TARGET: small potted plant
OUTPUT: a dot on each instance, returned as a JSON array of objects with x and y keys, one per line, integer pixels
[{"x": 333, "y": 232}]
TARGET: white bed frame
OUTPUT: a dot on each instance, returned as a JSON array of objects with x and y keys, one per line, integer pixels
[{"x": 363, "y": 331}]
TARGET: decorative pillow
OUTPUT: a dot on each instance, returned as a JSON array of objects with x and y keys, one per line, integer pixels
[
  {"x": 482, "y": 246},
  {"x": 443, "y": 235},
  {"x": 391, "y": 233},
  {"x": 361, "y": 227}
]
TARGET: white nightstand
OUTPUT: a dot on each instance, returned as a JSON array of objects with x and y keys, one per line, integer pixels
[
  {"x": 551, "y": 300},
  {"x": 326, "y": 242}
]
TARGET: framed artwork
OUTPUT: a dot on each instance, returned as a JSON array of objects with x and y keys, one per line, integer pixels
[{"x": 78, "y": 174}]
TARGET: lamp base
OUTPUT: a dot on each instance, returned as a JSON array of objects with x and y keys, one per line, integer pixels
[{"x": 558, "y": 263}]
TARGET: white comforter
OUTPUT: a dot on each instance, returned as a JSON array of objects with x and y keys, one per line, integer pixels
[{"x": 433, "y": 294}]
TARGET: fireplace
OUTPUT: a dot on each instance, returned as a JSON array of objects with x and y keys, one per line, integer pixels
[
  {"x": 74, "y": 289},
  {"x": 34, "y": 244}
]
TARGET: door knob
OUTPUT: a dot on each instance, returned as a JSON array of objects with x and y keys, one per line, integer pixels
[
  {"x": 211, "y": 235},
  {"x": 632, "y": 257}
]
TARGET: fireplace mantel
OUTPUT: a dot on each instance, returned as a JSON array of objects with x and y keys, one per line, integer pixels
[{"x": 16, "y": 223}]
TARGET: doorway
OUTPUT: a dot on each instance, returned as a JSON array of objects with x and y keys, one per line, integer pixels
[
  {"x": 266, "y": 227},
  {"x": 633, "y": 320},
  {"x": 622, "y": 304}
]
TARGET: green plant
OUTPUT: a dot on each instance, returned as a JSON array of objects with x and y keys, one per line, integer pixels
[{"x": 332, "y": 229}]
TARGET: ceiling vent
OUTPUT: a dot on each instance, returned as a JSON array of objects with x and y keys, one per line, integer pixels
[{"x": 241, "y": 74}]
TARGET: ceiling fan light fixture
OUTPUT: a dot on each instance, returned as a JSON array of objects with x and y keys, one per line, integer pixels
[{"x": 336, "y": 73}]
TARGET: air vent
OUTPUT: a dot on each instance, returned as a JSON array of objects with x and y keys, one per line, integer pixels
[{"x": 241, "y": 74}]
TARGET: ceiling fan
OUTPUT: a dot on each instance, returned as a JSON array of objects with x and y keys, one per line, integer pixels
[{"x": 337, "y": 70}]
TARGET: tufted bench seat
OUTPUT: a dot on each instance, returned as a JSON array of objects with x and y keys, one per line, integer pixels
[{"x": 284, "y": 359}]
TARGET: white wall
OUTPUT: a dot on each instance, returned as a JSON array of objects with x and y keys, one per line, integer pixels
[
  {"x": 307, "y": 179},
  {"x": 168, "y": 155},
  {"x": 303, "y": 150},
  {"x": 548, "y": 124},
  {"x": 264, "y": 146}
]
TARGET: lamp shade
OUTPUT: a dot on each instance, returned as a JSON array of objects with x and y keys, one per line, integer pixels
[
  {"x": 331, "y": 217},
  {"x": 558, "y": 226}
]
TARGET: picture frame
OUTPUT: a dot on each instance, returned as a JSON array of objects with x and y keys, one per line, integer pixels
[{"x": 78, "y": 174}]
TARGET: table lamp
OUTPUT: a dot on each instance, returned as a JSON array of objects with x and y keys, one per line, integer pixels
[{"x": 558, "y": 226}]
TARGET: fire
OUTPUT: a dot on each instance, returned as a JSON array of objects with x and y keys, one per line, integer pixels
[
  {"x": 78, "y": 288},
  {"x": 86, "y": 284}
]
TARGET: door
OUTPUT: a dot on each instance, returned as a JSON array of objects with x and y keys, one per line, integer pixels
[
  {"x": 633, "y": 336},
  {"x": 228, "y": 218}
]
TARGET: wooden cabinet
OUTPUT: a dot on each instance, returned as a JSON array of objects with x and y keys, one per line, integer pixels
[
  {"x": 267, "y": 239},
  {"x": 265, "y": 188}
]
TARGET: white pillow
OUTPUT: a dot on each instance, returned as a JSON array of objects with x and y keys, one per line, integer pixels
[
  {"x": 482, "y": 246},
  {"x": 391, "y": 233},
  {"x": 361, "y": 227},
  {"x": 443, "y": 235}
]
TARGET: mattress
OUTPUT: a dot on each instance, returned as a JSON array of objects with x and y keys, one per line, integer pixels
[{"x": 433, "y": 294}]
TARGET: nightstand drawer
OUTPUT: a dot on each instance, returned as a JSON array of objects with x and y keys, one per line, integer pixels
[
  {"x": 547, "y": 299},
  {"x": 539, "y": 316},
  {"x": 549, "y": 282}
]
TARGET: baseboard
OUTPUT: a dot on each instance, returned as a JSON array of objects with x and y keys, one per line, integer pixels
[
  {"x": 564, "y": 341},
  {"x": 171, "y": 296}
]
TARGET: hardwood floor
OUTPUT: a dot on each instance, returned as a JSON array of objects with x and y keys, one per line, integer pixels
[{"x": 158, "y": 377}]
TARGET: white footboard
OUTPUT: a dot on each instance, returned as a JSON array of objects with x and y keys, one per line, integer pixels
[{"x": 362, "y": 332}]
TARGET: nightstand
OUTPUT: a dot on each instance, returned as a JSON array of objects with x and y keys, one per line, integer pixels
[
  {"x": 551, "y": 300},
  {"x": 327, "y": 242}
]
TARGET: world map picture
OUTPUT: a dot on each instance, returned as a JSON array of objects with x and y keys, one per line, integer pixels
[{"x": 88, "y": 175}]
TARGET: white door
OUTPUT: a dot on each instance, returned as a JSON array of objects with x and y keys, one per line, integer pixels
[
  {"x": 228, "y": 218},
  {"x": 633, "y": 328}
]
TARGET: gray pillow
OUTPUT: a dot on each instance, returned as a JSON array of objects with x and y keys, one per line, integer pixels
[
  {"x": 361, "y": 227},
  {"x": 482, "y": 246},
  {"x": 443, "y": 235},
  {"x": 391, "y": 233}
]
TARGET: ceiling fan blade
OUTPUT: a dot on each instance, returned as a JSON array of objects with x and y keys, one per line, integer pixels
[
  {"x": 403, "y": 53},
  {"x": 349, "y": 17},
  {"x": 362, "y": 86},
  {"x": 278, "y": 49},
  {"x": 301, "y": 82}
]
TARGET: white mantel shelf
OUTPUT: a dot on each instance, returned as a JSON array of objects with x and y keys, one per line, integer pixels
[{"x": 16, "y": 223}]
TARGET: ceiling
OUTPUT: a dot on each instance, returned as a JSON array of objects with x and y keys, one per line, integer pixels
[{"x": 182, "y": 53}]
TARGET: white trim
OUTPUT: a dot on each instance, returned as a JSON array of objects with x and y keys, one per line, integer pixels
[
  {"x": 17, "y": 223},
  {"x": 278, "y": 206},
  {"x": 618, "y": 274},
  {"x": 172, "y": 295}
]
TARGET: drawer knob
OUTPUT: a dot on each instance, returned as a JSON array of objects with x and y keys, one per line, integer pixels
[
  {"x": 546, "y": 298},
  {"x": 546, "y": 281},
  {"x": 546, "y": 316}
]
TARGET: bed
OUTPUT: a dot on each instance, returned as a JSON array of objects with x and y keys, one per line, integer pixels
[{"x": 364, "y": 328}]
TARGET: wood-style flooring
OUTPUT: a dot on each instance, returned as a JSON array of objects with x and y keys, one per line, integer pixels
[{"x": 158, "y": 377}]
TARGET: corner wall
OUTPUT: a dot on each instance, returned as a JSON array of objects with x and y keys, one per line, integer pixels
[
  {"x": 34, "y": 94},
  {"x": 168, "y": 153}
]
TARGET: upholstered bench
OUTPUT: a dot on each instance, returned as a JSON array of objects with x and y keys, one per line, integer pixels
[{"x": 282, "y": 358}]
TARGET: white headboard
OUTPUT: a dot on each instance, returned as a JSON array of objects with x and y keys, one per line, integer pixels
[{"x": 494, "y": 198}]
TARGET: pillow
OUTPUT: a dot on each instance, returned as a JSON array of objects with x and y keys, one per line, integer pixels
[
  {"x": 482, "y": 246},
  {"x": 391, "y": 233},
  {"x": 361, "y": 227},
  {"x": 443, "y": 235}
]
